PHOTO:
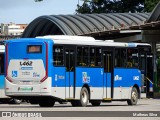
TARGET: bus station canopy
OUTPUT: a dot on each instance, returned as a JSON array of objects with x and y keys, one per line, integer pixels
[
  {"x": 101, "y": 26},
  {"x": 153, "y": 22}
]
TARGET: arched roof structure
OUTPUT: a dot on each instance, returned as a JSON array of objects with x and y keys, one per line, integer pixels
[
  {"x": 152, "y": 23},
  {"x": 82, "y": 24}
]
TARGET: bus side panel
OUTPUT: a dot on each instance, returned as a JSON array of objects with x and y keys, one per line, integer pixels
[
  {"x": 71, "y": 85},
  {"x": 93, "y": 77},
  {"x": 67, "y": 85},
  {"x": 59, "y": 82},
  {"x": 124, "y": 80},
  {"x": 1, "y": 81},
  {"x": 2, "y": 92},
  {"x": 107, "y": 85}
]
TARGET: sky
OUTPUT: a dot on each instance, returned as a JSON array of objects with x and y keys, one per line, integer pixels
[{"x": 25, "y": 11}]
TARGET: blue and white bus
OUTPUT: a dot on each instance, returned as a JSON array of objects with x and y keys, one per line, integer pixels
[{"x": 73, "y": 69}]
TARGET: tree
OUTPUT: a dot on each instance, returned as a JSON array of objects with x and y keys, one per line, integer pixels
[
  {"x": 128, "y": 5},
  {"x": 94, "y": 6},
  {"x": 85, "y": 8},
  {"x": 110, "y": 6},
  {"x": 150, "y": 4}
]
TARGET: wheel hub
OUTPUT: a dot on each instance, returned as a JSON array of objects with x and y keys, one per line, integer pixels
[
  {"x": 84, "y": 97},
  {"x": 134, "y": 96}
]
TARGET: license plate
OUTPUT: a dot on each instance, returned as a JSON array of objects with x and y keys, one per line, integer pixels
[{"x": 25, "y": 88}]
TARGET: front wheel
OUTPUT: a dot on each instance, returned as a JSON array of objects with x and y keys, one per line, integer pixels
[
  {"x": 134, "y": 97},
  {"x": 84, "y": 97}
]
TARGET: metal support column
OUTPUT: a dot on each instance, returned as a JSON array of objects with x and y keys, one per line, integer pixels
[{"x": 154, "y": 50}]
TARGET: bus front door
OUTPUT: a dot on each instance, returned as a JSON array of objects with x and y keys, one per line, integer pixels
[
  {"x": 108, "y": 72},
  {"x": 149, "y": 76},
  {"x": 70, "y": 68},
  {"x": 146, "y": 66}
]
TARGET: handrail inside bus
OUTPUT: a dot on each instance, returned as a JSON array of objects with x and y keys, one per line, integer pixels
[{"x": 148, "y": 80}]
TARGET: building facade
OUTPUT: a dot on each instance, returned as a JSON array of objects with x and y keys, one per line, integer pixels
[{"x": 11, "y": 30}]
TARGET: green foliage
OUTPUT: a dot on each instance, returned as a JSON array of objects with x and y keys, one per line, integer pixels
[
  {"x": 110, "y": 6},
  {"x": 85, "y": 8},
  {"x": 150, "y": 4}
]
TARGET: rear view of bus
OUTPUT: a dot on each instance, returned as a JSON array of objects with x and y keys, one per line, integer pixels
[{"x": 27, "y": 69}]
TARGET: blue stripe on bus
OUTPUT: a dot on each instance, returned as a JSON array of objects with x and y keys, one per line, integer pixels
[
  {"x": 69, "y": 79},
  {"x": 91, "y": 76},
  {"x": 59, "y": 77},
  {"x": 95, "y": 77},
  {"x": 1, "y": 81},
  {"x": 107, "y": 79},
  {"x": 71, "y": 82},
  {"x": 126, "y": 77}
]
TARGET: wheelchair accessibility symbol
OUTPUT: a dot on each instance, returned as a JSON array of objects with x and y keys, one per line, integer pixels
[{"x": 14, "y": 73}]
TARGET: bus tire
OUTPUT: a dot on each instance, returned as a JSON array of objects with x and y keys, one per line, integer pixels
[
  {"x": 95, "y": 103},
  {"x": 84, "y": 97},
  {"x": 46, "y": 103},
  {"x": 134, "y": 97}
]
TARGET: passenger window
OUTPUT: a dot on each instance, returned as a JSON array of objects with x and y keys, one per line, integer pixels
[
  {"x": 132, "y": 58},
  {"x": 120, "y": 57},
  {"x": 82, "y": 56},
  {"x": 142, "y": 58},
  {"x": 58, "y": 55},
  {"x": 95, "y": 57}
]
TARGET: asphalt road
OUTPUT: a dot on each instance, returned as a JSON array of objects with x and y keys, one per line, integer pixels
[{"x": 66, "y": 110}]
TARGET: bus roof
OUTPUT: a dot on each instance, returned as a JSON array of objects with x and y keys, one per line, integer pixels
[
  {"x": 68, "y": 37},
  {"x": 83, "y": 40}
]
